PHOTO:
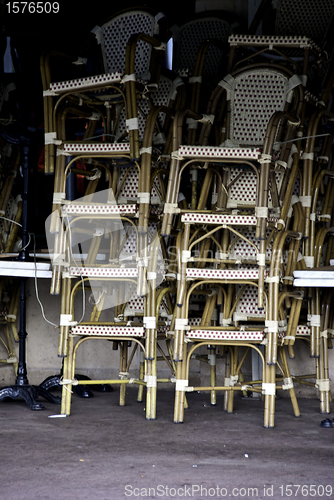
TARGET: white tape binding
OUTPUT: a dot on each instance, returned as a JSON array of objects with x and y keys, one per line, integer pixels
[
  {"x": 309, "y": 260},
  {"x": 269, "y": 389},
  {"x": 151, "y": 380},
  {"x": 171, "y": 208},
  {"x": 272, "y": 279},
  {"x": 261, "y": 259},
  {"x": 195, "y": 79},
  {"x": 306, "y": 201},
  {"x": 287, "y": 384},
  {"x": 261, "y": 212},
  {"x": 150, "y": 322},
  {"x": 67, "y": 320},
  {"x": 132, "y": 124},
  {"x": 212, "y": 359},
  {"x": 265, "y": 158},
  {"x": 51, "y": 138},
  {"x": 271, "y": 326},
  {"x": 314, "y": 319},
  {"x": 234, "y": 380},
  {"x": 128, "y": 78},
  {"x": 224, "y": 321},
  {"x": 192, "y": 123},
  {"x": 181, "y": 385},
  {"x": 207, "y": 119},
  {"x": 226, "y": 83},
  {"x": 308, "y": 156},
  {"x": 322, "y": 384},
  {"x": 144, "y": 197},
  {"x": 151, "y": 275},
  {"x": 97, "y": 31},
  {"x": 185, "y": 255},
  {"x": 145, "y": 150},
  {"x": 181, "y": 324}
]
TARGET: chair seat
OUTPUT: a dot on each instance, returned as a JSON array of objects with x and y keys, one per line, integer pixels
[
  {"x": 91, "y": 148},
  {"x": 104, "y": 272},
  {"x": 87, "y": 83},
  {"x": 219, "y": 152},
  {"x": 203, "y": 334},
  {"x": 98, "y": 209},
  {"x": 219, "y": 274},
  {"x": 108, "y": 331},
  {"x": 219, "y": 219},
  {"x": 293, "y": 42}
]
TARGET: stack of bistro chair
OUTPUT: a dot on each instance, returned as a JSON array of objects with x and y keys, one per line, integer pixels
[
  {"x": 316, "y": 195},
  {"x": 311, "y": 28},
  {"x": 108, "y": 241},
  {"x": 244, "y": 176}
]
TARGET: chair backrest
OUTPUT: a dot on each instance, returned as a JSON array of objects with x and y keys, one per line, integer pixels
[
  {"x": 115, "y": 34},
  {"x": 310, "y": 18},
  {"x": 188, "y": 39},
  {"x": 254, "y": 96}
]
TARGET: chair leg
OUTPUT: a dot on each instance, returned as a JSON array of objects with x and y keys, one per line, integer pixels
[
  {"x": 122, "y": 368},
  {"x": 68, "y": 371},
  {"x": 140, "y": 394},
  {"x": 179, "y": 389},
  {"x": 289, "y": 380},
  {"x": 151, "y": 388},
  {"x": 212, "y": 363}
]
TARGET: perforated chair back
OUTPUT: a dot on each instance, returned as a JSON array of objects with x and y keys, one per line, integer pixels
[
  {"x": 188, "y": 39},
  {"x": 254, "y": 96},
  {"x": 114, "y": 35}
]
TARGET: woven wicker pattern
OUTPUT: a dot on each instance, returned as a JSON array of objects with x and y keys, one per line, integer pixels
[
  {"x": 255, "y": 96},
  {"x": 115, "y": 37},
  {"x": 190, "y": 37}
]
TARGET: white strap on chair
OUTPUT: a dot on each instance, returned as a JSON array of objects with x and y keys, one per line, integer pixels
[
  {"x": 150, "y": 322},
  {"x": 261, "y": 212},
  {"x": 288, "y": 383},
  {"x": 314, "y": 319},
  {"x": 226, "y": 83},
  {"x": 309, "y": 261},
  {"x": 144, "y": 197},
  {"x": 151, "y": 380},
  {"x": 171, "y": 208},
  {"x": 322, "y": 384},
  {"x": 67, "y": 320},
  {"x": 195, "y": 79},
  {"x": 132, "y": 124},
  {"x": 175, "y": 84},
  {"x": 269, "y": 389},
  {"x": 271, "y": 326},
  {"x": 181, "y": 324},
  {"x": 98, "y": 32},
  {"x": 51, "y": 138},
  {"x": 306, "y": 201},
  {"x": 294, "y": 81}
]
